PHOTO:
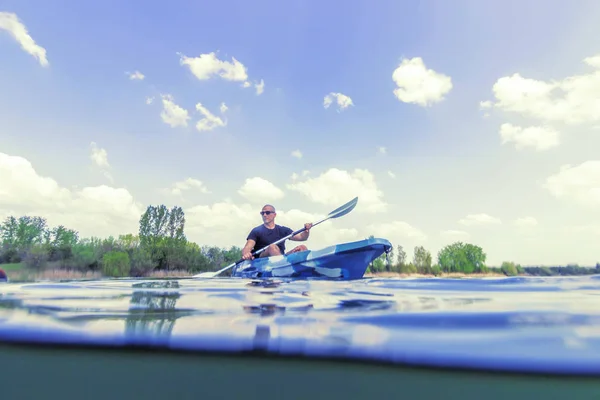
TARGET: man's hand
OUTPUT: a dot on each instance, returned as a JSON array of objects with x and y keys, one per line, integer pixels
[
  {"x": 308, "y": 225},
  {"x": 247, "y": 256}
]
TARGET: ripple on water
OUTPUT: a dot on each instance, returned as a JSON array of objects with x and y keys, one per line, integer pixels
[{"x": 515, "y": 323}]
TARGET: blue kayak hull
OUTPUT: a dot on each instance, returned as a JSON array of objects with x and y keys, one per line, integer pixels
[{"x": 345, "y": 261}]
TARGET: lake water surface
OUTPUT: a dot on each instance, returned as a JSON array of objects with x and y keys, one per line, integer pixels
[{"x": 521, "y": 323}]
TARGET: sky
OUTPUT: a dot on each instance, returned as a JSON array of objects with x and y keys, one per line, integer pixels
[{"x": 451, "y": 121}]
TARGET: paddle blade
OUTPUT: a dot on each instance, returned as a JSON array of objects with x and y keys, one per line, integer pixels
[{"x": 343, "y": 210}]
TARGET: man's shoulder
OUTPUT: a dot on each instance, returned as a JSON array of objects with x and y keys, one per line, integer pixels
[
  {"x": 254, "y": 232},
  {"x": 284, "y": 228}
]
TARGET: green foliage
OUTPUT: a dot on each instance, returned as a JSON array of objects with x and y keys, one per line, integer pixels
[
  {"x": 422, "y": 260},
  {"x": 462, "y": 257},
  {"x": 161, "y": 244},
  {"x": 400, "y": 256},
  {"x": 84, "y": 257},
  {"x": 162, "y": 237},
  {"x": 509, "y": 268},
  {"x": 116, "y": 264},
  {"x": 407, "y": 268},
  {"x": 36, "y": 257}
]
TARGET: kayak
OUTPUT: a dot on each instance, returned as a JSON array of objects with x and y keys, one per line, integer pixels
[{"x": 345, "y": 261}]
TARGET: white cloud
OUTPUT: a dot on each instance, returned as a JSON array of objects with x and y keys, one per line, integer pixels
[
  {"x": 335, "y": 187},
  {"x": 99, "y": 210},
  {"x": 342, "y": 101},
  {"x": 297, "y": 154},
  {"x": 391, "y": 174},
  {"x": 538, "y": 138},
  {"x": 260, "y": 87},
  {"x": 593, "y": 61},
  {"x": 295, "y": 176},
  {"x": 219, "y": 223},
  {"x": 149, "y": 100},
  {"x": 484, "y": 105},
  {"x": 208, "y": 65},
  {"x": 210, "y": 121},
  {"x": 479, "y": 219},
  {"x": 187, "y": 184},
  {"x": 526, "y": 222},
  {"x": 382, "y": 150},
  {"x": 419, "y": 85},
  {"x": 137, "y": 75},
  {"x": 98, "y": 155},
  {"x": 455, "y": 234},
  {"x": 13, "y": 25},
  {"x": 172, "y": 114},
  {"x": 397, "y": 229},
  {"x": 223, "y": 108},
  {"x": 579, "y": 183},
  {"x": 260, "y": 190},
  {"x": 572, "y": 100}
]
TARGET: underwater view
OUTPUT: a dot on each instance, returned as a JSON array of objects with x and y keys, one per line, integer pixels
[{"x": 515, "y": 324}]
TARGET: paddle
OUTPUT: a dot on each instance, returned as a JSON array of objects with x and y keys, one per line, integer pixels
[{"x": 338, "y": 212}]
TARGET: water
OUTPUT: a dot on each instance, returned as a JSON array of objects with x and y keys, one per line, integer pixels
[{"x": 523, "y": 323}]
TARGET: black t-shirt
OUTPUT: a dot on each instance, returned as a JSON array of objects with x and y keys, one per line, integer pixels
[{"x": 264, "y": 236}]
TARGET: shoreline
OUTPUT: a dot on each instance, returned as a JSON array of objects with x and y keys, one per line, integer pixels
[
  {"x": 441, "y": 275},
  {"x": 62, "y": 274},
  {"x": 65, "y": 274}
]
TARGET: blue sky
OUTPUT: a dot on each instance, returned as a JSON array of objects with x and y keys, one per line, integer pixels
[{"x": 447, "y": 157}]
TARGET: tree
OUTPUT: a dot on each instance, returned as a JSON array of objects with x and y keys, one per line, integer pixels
[
  {"x": 22, "y": 236},
  {"x": 153, "y": 225},
  {"x": 162, "y": 235},
  {"x": 176, "y": 224},
  {"x": 509, "y": 268},
  {"x": 116, "y": 263},
  {"x": 422, "y": 260},
  {"x": 460, "y": 257},
  {"x": 400, "y": 256},
  {"x": 61, "y": 241}
]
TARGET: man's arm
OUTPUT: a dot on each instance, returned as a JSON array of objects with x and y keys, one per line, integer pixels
[
  {"x": 247, "y": 250},
  {"x": 303, "y": 236}
]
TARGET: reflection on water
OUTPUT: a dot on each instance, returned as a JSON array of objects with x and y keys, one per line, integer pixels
[
  {"x": 517, "y": 323},
  {"x": 152, "y": 308}
]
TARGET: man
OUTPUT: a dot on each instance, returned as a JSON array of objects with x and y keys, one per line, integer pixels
[{"x": 269, "y": 232}]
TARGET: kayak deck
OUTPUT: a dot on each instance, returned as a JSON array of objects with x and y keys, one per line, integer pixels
[{"x": 345, "y": 261}]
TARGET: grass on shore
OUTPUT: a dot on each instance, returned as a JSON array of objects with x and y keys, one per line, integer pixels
[
  {"x": 17, "y": 273},
  {"x": 23, "y": 275}
]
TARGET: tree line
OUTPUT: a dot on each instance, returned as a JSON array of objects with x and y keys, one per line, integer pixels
[
  {"x": 464, "y": 258},
  {"x": 161, "y": 244}
]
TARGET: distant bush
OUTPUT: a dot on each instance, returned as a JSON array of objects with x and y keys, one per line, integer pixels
[{"x": 116, "y": 264}]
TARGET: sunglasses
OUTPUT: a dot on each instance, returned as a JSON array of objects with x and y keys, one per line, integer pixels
[{"x": 267, "y": 212}]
